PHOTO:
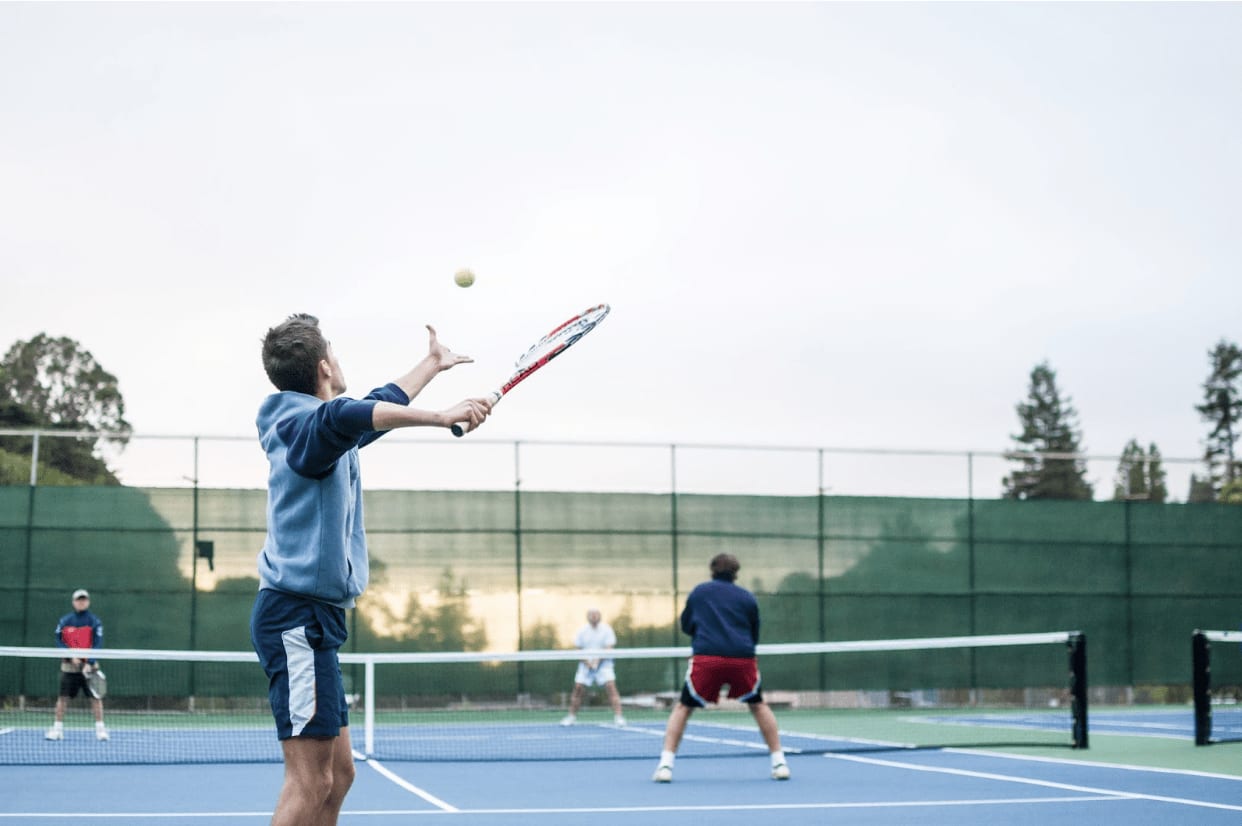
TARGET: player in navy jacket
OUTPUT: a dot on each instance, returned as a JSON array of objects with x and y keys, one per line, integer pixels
[
  {"x": 722, "y": 619},
  {"x": 313, "y": 564},
  {"x": 77, "y": 629}
]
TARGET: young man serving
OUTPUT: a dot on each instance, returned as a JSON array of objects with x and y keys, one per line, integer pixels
[{"x": 314, "y": 565}]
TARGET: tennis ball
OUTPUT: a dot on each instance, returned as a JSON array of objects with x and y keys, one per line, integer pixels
[{"x": 464, "y": 278}]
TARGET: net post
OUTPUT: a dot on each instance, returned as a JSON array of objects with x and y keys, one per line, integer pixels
[
  {"x": 1201, "y": 682},
  {"x": 1077, "y": 644},
  {"x": 368, "y": 713}
]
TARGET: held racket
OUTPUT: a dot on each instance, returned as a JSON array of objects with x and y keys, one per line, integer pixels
[
  {"x": 96, "y": 684},
  {"x": 546, "y": 349}
]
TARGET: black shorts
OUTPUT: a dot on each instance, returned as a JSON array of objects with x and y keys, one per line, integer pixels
[{"x": 71, "y": 682}]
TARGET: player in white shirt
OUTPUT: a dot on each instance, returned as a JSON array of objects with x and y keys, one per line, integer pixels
[{"x": 595, "y": 634}]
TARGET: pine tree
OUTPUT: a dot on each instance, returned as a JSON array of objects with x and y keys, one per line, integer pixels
[
  {"x": 1140, "y": 475},
  {"x": 1049, "y": 425},
  {"x": 1200, "y": 490},
  {"x": 1222, "y": 408}
]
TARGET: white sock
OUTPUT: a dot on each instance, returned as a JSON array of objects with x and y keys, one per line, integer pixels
[
  {"x": 778, "y": 757},
  {"x": 667, "y": 758},
  {"x": 99, "y": 724},
  {"x": 58, "y": 724}
]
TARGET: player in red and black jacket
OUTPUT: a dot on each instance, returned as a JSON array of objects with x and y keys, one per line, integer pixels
[{"x": 79, "y": 629}]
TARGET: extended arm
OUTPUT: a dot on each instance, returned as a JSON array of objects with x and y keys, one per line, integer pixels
[{"x": 470, "y": 412}]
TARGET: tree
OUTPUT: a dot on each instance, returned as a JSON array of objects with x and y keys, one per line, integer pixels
[
  {"x": 1200, "y": 490},
  {"x": 1049, "y": 425},
  {"x": 55, "y": 384},
  {"x": 1140, "y": 475},
  {"x": 1222, "y": 408}
]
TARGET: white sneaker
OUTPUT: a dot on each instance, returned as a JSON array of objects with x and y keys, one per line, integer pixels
[
  {"x": 780, "y": 772},
  {"x": 101, "y": 734},
  {"x": 664, "y": 774},
  {"x": 618, "y": 720},
  {"x": 568, "y": 720},
  {"x": 55, "y": 734}
]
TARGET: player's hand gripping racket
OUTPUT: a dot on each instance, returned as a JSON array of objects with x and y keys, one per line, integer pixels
[
  {"x": 546, "y": 349},
  {"x": 96, "y": 684}
]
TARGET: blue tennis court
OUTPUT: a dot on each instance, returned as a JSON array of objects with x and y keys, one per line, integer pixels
[
  {"x": 1176, "y": 724},
  {"x": 896, "y": 786}
]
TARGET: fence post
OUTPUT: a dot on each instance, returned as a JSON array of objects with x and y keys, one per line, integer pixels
[
  {"x": 821, "y": 587},
  {"x": 517, "y": 557}
]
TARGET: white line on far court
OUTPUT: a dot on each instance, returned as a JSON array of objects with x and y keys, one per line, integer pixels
[
  {"x": 405, "y": 784},
  {"x": 586, "y": 810},
  {"x": 1030, "y": 781}
]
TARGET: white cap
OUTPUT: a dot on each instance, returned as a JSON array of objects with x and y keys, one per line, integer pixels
[{"x": 81, "y": 592}]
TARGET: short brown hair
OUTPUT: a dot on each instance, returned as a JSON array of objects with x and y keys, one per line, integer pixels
[
  {"x": 292, "y": 351},
  {"x": 725, "y": 566}
]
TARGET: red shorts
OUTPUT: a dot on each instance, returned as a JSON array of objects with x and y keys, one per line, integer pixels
[{"x": 707, "y": 674}]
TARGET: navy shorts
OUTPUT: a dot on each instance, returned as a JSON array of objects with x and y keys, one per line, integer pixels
[{"x": 297, "y": 640}]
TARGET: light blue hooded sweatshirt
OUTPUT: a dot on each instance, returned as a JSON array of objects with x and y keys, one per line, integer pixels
[{"x": 316, "y": 546}]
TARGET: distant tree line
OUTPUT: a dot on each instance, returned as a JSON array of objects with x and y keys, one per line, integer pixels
[
  {"x": 1049, "y": 446},
  {"x": 55, "y": 384}
]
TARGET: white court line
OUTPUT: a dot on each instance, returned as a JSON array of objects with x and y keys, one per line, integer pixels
[
  {"x": 1068, "y": 762},
  {"x": 750, "y": 744},
  {"x": 1030, "y": 781},
  {"x": 101, "y": 815},
  {"x": 405, "y": 784},
  {"x": 754, "y": 807},
  {"x": 827, "y": 738},
  {"x": 699, "y": 738}
]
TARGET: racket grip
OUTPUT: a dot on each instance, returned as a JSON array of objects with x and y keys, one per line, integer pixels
[{"x": 459, "y": 431}]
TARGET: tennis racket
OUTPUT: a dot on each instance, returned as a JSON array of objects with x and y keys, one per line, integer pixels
[
  {"x": 96, "y": 684},
  {"x": 546, "y": 349}
]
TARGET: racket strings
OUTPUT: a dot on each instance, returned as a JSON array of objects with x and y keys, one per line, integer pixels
[{"x": 562, "y": 337}]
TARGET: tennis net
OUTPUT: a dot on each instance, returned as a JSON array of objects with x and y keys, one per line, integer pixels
[
  {"x": 1216, "y": 680},
  {"x": 212, "y": 706}
]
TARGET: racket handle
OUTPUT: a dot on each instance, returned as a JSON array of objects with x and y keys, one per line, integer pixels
[{"x": 459, "y": 431}]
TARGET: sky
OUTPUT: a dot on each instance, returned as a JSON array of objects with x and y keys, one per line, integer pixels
[{"x": 817, "y": 224}]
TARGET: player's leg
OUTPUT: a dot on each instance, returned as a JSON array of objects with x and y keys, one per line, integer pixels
[
  {"x": 333, "y": 714},
  {"x": 743, "y": 674},
  {"x": 343, "y": 772},
  {"x": 101, "y": 733},
  {"x": 675, "y": 728},
  {"x": 297, "y": 642},
  {"x": 581, "y": 677},
  {"x": 768, "y": 727},
  {"x": 704, "y": 679},
  {"x": 673, "y": 731},
  {"x": 766, "y": 720},
  {"x": 614, "y": 698},
  {"x": 316, "y": 786},
  {"x": 308, "y": 786},
  {"x": 68, "y": 688},
  {"x": 575, "y": 699}
]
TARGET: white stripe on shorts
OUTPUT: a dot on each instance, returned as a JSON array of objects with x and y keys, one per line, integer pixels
[{"x": 300, "y": 662}]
